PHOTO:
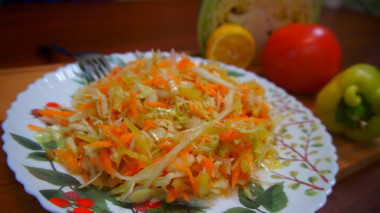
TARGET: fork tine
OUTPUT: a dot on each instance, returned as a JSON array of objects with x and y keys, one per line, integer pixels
[
  {"x": 86, "y": 74},
  {"x": 96, "y": 69},
  {"x": 102, "y": 64},
  {"x": 94, "y": 64},
  {"x": 89, "y": 70},
  {"x": 105, "y": 64}
]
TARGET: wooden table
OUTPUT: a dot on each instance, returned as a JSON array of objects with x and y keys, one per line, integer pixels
[{"x": 126, "y": 26}]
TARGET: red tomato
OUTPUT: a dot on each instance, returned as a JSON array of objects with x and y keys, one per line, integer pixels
[{"x": 301, "y": 58}]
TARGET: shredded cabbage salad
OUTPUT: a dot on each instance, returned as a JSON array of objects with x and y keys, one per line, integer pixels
[{"x": 163, "y": 128}]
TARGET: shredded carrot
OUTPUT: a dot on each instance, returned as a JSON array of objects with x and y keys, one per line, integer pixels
[
  {"x": 69, "y": 159},
  {"x": 51, "y": 113},
  {"x": 104, "y": 156},
  {"x": 176, "y": 80},
  {"x": 101, "y": 144},
  {"x": 148, "y": 124},
  {"x": 156, "y": 104},
  {"x": 235, "y": 175},
  {"x": 184, "y": 62},
  {"x": 171, "y": 196},
  {"x": 185, "y": 196},
  {"x": 35, "y": 128},
  {"x": 94, "y": 160},
  {"x": 163, "y": 64},
  {"x": 192, "y": 107},
  {"x": 264, "y": 110},
  {"x": 230, "y": 135},
  {"x": 85, "y": 176},
  {"x": 85, "y": 106},
  {"x": 208, "y": 164},
  {"x": 204, "y": 88},
  {"x": 104, "y": 88},
  {"x": 64, "y": 122},
  {"x": 126, "y": 138},
  {"x": 210, "y": 109},
  {"x": 189, "y": 173}
]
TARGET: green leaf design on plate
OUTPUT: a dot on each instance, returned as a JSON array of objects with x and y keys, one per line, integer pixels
[
  {"x": 314, "y": 127},
  {"x": 49, "y": 193},
  {"x": 274, "y": 198},
  {"x": 234, "y": 73},
  {"x": 323, "y": 172},
  {"x": 96, "y": 195},
  {"x": 38, "y": 156},
  {"x": 239, "y": 210},
  {"x": 304, "y": 165},
  {"x": 245, "y": 201},
  {"x": 286, "y": 163},
  {"x": 116, "y": 60},
  {"x": 317, "y": 145},
  {"x": 310, "y": 192},
  {"x": 294, "y": 186},
  {"x": 53, "y": 177},
  {"x": 313, "y": 152},
  {"x": 293, "y": 173},
  {"x": 317, "y": 161},
  {"x": 288, "y": 136},
  {"x": 313, "y": 179},
  {"x": 25, "y": 142},
  {"x": 328, "y": 159},
  {"x": 317, "y": 138}
]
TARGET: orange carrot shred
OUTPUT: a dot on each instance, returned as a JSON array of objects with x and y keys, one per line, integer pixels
[
  {"x": 207, "y": 163},
  {"x": 35, "y": 128},
  {"x": 156, "y": 104},
  {"x": 176, "y": 80},
  {"x": 235, "y": 175},
  {"x": 51, "y": 113},
  {"x": 101, "y": 144},
  {"x": 171, "y": 196},
  {"x": 163, "y": 64},
  {"x": 189, "y": 173},
  {"x": 85, "y": 106},
  {"x": 148, "y": 124},
  {"x": 106, "y": 161}
]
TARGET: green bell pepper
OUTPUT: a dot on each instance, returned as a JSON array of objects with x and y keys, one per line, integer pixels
[{"x": 350, "y": 103}]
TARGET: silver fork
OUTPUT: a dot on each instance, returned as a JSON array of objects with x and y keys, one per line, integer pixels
[{"x": 93, "y": 64}]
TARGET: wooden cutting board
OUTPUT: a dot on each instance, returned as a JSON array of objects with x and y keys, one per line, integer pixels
[{"x": 352, "y": 156}]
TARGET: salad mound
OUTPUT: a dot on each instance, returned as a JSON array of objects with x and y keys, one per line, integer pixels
[{"x": 163, "y": 128}]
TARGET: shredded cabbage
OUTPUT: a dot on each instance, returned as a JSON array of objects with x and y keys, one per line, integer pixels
[{"x": 164, "y": 128}]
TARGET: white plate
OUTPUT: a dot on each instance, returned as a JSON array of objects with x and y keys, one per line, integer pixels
[{"x": 306, "y": 150}]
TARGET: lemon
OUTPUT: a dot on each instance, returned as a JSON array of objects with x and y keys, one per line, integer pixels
[{"x": 231, "y": 44}]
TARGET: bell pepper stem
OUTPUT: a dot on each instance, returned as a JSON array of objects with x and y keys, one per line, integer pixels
[{"x": 351, "y": 96}]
